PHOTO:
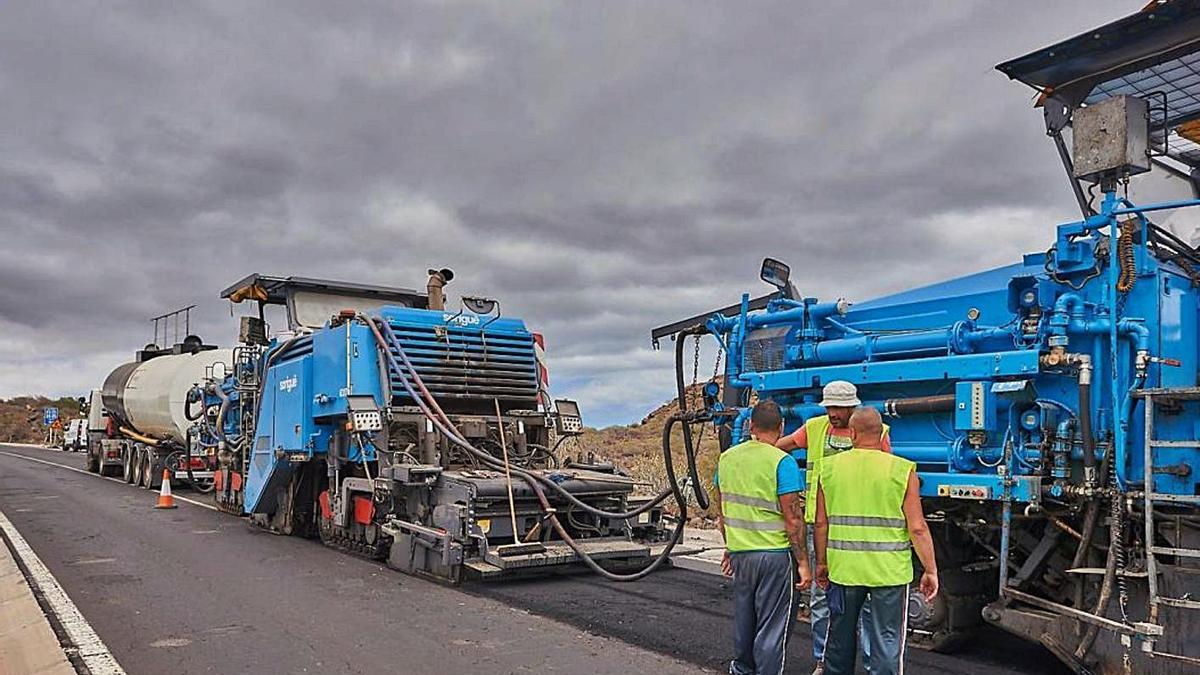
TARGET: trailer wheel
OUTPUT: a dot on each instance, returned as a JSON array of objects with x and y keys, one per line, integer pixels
[
  {"x": 127, "y": 460},
  {"x": 148, "y": 467},
  {"x": 135, "y": 468},
  {"x": 93, "y": 460}
]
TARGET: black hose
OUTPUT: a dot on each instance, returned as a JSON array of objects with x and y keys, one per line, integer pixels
[
  {"x": 444, "y": 424},
  {"x": 917, "y": 405},
  {"x": 194, "y": 394},
  {"x": 1110, "y": 574},
  {"x": 530, "y": 479},
  {"x": 689, "y": 448},
  {"x": 1085, "y": 427}
]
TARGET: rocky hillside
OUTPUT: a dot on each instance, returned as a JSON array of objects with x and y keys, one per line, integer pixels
[
  {"x": 637, "y": 448},
  {"x": 21, "y": 417}
]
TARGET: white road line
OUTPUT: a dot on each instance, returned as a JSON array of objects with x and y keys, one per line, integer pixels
[
  {"x": 90, "y": 648},
  {"x": 193, "y": 502}
]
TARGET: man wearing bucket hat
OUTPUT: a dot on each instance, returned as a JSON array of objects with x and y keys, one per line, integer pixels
[{"x": 819, "y": 437}]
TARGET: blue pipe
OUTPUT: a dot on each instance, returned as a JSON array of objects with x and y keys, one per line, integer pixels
[
  {"x": 962, "y": 338},
  {"x": 1068, "y": 317},
  {"x": 739, "y": 424},
  {"x": 794, "y": 315}
]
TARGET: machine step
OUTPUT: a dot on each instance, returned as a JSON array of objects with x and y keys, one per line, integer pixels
[
  {"x": 1181, "y": 552},
  {"x": 1183, "y": 603},
  {"x": 558, "y": 553},
  {"x": 1187, "y": 499}
]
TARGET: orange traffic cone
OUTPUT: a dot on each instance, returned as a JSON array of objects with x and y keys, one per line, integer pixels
[{"x": 165, "y": 500}]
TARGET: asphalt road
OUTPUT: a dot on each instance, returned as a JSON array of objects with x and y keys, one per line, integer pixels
[{"x": 196, "y": 591}]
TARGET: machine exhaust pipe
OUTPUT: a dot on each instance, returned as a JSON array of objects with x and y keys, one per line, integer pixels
[{"x": 437, "y": 280}]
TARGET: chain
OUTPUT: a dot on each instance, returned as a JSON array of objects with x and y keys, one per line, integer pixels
[{"x": 695, "y": 391}]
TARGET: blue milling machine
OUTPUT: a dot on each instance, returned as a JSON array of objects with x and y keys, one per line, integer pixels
[
  {"x": 1052, "y": 405},
  {"x": 397, "y": 429}
]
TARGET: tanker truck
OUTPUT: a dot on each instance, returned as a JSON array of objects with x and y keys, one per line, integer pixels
[
  {"x": 1051, "y": 405},
  {"x": 137, "y": 424}
]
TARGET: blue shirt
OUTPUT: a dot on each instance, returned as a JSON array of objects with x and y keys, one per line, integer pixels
[{"x": 787, "y": 476}]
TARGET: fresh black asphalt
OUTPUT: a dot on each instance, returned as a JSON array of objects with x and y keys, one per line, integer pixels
[{"x": 196, "y": 591}]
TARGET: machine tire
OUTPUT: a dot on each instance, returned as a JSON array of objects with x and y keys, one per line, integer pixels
[
  {"x": 127, "y": 459},
  {"x": 93, "y": 461},
  {"x": 144, "y": 471},
  {"x": 151, "y": 472},
  {"x": 136, "y": 467}
]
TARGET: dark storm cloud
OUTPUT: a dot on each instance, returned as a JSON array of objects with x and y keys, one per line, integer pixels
[{"x": 599, "y": 167}]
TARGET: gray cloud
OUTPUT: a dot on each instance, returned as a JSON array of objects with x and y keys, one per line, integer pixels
[{"x": 601, "y": 168}]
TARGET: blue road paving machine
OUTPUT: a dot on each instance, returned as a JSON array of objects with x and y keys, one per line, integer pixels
[
  {"x": 1052, "y": 406},
  {"x": 396, "y": 428}
]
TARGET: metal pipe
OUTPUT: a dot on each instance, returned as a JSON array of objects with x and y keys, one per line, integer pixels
[
  {"x": 962, "y": 338},
  {"x": 437, "y": 280},
  {"x": 153, "y": 442}
]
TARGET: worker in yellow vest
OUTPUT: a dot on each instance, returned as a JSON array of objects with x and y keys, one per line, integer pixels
[
  {"x": 869, "y": 520},
  {"x": 819, "y": 437},
  {"x": 758, "y": 497}
]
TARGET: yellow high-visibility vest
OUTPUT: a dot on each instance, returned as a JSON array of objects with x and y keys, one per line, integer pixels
[
  {"x": 749, "y": 500},
  {"x": 869, "y": 543},
  {"x": 818, "y": 448}
]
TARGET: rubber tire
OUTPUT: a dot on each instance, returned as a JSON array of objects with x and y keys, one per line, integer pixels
[
  {"x": 127, "y": 459},
  {"x": 137, "y": 467},
  {"x": 147, "y": 471},
  {"x": 93, "y": 461}
]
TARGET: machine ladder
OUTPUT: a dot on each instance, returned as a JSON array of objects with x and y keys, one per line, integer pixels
[
  {"x": 1151, "y": 398},
  {"x": 248, "y": 380}
]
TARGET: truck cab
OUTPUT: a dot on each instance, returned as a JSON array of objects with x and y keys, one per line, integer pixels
[{"x": 103, "y": 451}]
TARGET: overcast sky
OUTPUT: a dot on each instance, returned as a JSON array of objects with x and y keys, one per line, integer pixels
[{"x": 600, "y": 167}]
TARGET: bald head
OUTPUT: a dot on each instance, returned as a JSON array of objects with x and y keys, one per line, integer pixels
[{"x": 867, "y": 426}]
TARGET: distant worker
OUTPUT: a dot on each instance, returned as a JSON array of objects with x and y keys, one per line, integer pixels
[
  {"x": 819, "y": 437},
  {"x": 758, "y": 494},
  {"x": 869, "y": 518}
]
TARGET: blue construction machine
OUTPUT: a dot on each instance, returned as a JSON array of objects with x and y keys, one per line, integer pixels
[
  {"x": 1051, "y": 405},
  {"x": 395, "y": 428}
]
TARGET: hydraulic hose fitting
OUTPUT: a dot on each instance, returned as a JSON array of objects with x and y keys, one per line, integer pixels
[
  {"x": 1142, "y": 362},
  {"x": 1084, "y": 363},
  {"x": 1053, "y": 358}
]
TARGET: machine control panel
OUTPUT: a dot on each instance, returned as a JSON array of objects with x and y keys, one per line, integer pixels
[
  {"x": 364, "y": 413},
  {"x": 965, "y": 491},
  {"x": 568, "y": 422},
  {"x": 366, "y": 420},
  {"x": 974, "y": 407}
]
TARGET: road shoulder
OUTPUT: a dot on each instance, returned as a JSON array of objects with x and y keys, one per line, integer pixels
[{"x": 28, "y": 645}]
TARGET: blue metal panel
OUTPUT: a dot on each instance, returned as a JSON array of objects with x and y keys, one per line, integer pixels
[
  {"x": 345, "y": 362},
  {"x": 970, "y": 366},
  {"x": 467, "y": 356}
]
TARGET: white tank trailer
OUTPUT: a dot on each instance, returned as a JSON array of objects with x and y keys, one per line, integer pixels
[{"x": 145, "y": 401}]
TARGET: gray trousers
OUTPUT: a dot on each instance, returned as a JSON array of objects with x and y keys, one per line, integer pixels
[
  {"x": 818, "y": 612},
  {"x": 887, "y": 627},
  {"x": 763, "y": 587}
]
